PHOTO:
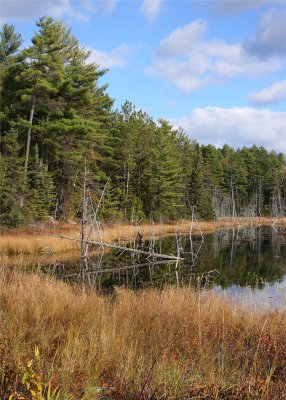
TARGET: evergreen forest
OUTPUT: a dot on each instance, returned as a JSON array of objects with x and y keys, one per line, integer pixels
[{"x": 59, "y": 129}]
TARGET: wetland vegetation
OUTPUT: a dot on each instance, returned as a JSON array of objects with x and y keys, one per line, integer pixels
[
  {"x": 170, "y": 343},
  {"x": 172, "y": 337},
  {"x": 127, "y": 326}
]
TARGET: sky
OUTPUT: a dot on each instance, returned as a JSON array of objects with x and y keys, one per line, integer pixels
[{"x": 215, "y": 68}]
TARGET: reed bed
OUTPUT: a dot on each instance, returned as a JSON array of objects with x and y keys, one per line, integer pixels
[{"x": 168, "y": 344}]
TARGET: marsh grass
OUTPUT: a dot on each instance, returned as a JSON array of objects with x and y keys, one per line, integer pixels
[{"x": 168, "y": 344}]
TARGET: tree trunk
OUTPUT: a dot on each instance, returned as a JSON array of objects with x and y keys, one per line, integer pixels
[
  {"x": 29, "y": 138},
  {"x": 232, "y": 197},
  {"x": 28, "y": 148},
  {"x": 42, "y": 149},
  {"x": 126, "y": 179}
]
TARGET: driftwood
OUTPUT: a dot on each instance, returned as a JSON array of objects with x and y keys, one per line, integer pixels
[{"x": 114, "y": 246}]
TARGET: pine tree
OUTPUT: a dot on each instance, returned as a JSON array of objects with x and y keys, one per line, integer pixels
[
  {"x": 10, "y": 64},
  {"x": 41, "y": 195},
  {"x": 59, "y": 87},
  {"x": 165, "y": 189},
  {"x": 12, "y": 186},
  {"x": 43, "y": 78},
  {"x": 196, "y": 186}
]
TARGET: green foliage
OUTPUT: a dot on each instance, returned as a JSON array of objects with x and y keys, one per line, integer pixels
[
  {"x": 12, "y": 187},
  {"x": 110, "y": 209},
  {"x": 165, "y": 179},
  {"x": 56, "y": 118},
  {"x": 33, "y": 383},
  {"x": 41, "y": 194},
  {"x": 9, "y": 42}
]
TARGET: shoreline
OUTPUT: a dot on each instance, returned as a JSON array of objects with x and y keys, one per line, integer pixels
[{"x": 42, "y": 240}]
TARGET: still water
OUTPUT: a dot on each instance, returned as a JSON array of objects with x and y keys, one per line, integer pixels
[{"x": 249, "y": 263}]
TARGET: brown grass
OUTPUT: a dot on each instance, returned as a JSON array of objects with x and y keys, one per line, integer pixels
[
  {"x": 170, "y": 344},
  {"x": 39, "y": 240}
]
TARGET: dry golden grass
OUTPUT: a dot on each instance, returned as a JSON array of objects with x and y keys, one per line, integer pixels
[
  {"x": 39, "y": 240},
  {"x": 36, "y": 240},
  {"x": 170, "y": 344},
  {"x": 35, "y": 245},
  {"x": 125, "y": 232}
]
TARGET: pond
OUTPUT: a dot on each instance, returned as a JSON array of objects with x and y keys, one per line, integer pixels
[{"x": 247, "y": 263}]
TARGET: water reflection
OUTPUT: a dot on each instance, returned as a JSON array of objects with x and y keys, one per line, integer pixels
[
  {"x": 254, "y": 258},
  {"x": 246, "y": 258},
  {"x": 272, "y": 296}
]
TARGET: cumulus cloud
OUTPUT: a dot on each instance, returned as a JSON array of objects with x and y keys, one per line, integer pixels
[
  {"x": 237, "y": 127},
  {"x": 117, "y": 57},
  {"x": 181, "y": 40},
  {"x": 270, "y": 36},
  {"x": 189, "y": 62},
  {"x": 151, "y": 8},
  {"x": 269, "y": 95},
  {"x": 26, "y": 10}
]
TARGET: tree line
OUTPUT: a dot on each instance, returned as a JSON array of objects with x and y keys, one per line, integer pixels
[{"x": 58, "y": 121}]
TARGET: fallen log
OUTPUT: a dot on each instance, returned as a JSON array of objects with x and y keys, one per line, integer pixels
[{"x": 114, "y": 246}]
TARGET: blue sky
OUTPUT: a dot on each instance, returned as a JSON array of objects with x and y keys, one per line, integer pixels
[{"x": 216, "y": 68}]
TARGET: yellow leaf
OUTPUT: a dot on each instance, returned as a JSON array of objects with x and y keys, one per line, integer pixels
[
  {"x": 24, "y": 377},
  {"x": 37, "y": 351},
  {"x": 33, "y": 393}
]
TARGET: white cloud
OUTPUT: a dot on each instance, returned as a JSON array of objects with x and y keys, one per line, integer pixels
[
  {"x": 237, "y": 127},
  {"x": 26, "y": 10},
  {"x": 234, "y": 6},
  {"x": 181, "y": 40},
  {"x": 117, "y": 57},
  {"x": 105, "y": 7},
  {"x": 189, "y": 62},
  {"x": 270, "y": 36},
  {"x": 269, "y": 95},
  {"x": 151, "y": 8}
]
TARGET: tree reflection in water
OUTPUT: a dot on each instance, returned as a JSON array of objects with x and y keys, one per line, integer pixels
[{"x": 248, "y": 258}]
